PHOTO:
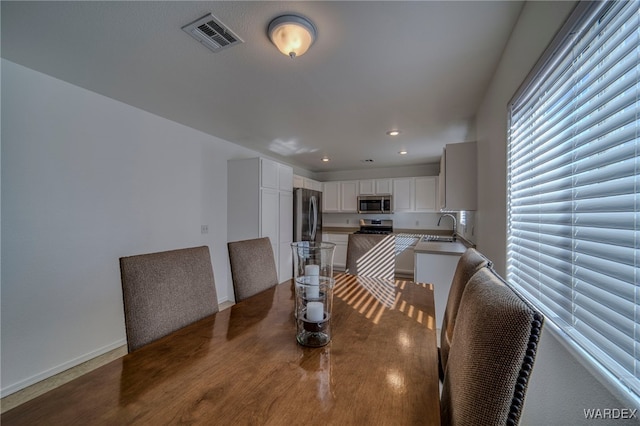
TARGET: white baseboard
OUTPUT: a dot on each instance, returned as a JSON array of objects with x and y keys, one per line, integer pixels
[{"x": 14, "y": 387}]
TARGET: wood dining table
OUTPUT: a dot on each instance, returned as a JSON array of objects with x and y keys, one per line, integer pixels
[{"x": 243, "y": 366}]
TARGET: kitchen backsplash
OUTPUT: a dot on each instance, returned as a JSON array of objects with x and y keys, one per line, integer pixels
[
  {"x": 420, "y": 221},
  {"x": 400, "y": 220},
  {"x": 467, "y": 225}
]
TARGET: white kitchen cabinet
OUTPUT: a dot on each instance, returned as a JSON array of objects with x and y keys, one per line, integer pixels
[
  {"x": 403, "y": 195},
  {"x": 458, "y": 177},
  {"x": 415, "y": 194},
  {"x": 405, "y": 257},
  {"x": 367, "y": 187},
  {"x": 285, "y": 178},
  {"x": 340, "y": 196},
  {"x": 285, "y": 238},
  {"x": 269, "y": 174},
  {"x": 412, "y": 194},
  {"x": 341, "y": 240},
  {"x": 270, "y": 216},
  {"x": 304, "y": 182},
  {"x": 312, "y": 184},
  {"x": 331, "y": 197},
  {"x": 375, "y": 187},
  {"x": 384, "y": 186},
  {"x": 426, "y": 189},
  {"x": 437, "y": 269},
  {"x": 258, "y": 207},
  {"x": 349, "y": 196},
  {"x": 298, "y": 181}
]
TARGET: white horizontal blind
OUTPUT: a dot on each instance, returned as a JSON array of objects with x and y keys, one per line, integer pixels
[{"x": 573, "y": 189}]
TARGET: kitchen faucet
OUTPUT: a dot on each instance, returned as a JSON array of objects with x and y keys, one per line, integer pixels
[{"x": 455, "y": 223}]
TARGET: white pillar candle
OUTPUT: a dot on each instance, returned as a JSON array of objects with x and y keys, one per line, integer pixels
[
  {"x": 312, "y": 270},
  {"x": 313, "y": 287},
  {"x": 313, "y": 279},
  {"x": 315, "y": 311}
]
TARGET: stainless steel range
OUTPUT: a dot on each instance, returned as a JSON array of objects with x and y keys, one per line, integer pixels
[{"x": 375, "y": 226}]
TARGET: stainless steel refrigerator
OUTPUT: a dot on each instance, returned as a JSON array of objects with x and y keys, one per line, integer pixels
[{"x": 307, "y": 215}]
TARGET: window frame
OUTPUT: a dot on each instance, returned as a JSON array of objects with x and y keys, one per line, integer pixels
[{"x": 583, "y": 16}]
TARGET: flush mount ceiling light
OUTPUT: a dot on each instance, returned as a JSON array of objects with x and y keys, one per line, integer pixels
[
  {"x": 393, "y": 132},
  {"x": 292, "y": 34}
]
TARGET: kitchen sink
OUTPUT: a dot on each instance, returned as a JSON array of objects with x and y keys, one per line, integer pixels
[{"x": 438, "y": 238}]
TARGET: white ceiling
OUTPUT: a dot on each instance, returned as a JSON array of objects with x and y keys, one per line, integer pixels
[{"x": 419, "y": 66}]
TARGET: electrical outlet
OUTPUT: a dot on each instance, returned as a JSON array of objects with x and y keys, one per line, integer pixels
[
  {"x": 348, "y": 221},
  {"x": 417, "y": 223},
  {"x": 204, "y": 229}
]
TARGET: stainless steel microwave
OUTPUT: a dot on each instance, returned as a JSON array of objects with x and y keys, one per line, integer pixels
[{"x": 375, "y": 204}]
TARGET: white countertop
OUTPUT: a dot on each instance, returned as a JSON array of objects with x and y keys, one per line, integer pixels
[{"x": 438, "y": 247}]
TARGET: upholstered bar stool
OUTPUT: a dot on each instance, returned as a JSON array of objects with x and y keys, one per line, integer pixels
[
  {"x": 470, "y": 262},
  {"x": 494, "y": 346}
]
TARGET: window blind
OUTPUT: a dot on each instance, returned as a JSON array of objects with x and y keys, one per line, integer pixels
[{"x": 573, "y": 188}]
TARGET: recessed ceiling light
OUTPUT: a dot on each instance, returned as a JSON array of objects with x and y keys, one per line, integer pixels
[
  {"x": 393, "y": 132},
  {"x": 403, "y": 152},
  {"x": 367, "y": 160},
  {"x": 325, "y": 159}
]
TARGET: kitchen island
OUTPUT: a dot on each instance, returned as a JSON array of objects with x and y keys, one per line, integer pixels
[
  {"x": 408, "y": 244},
  {"x": 435, "y": 263}
]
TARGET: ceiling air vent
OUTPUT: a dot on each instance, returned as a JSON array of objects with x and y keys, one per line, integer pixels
[{"x": 212, "y": 33}]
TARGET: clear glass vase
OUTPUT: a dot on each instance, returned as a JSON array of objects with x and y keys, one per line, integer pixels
[{"x": 313, "y": 274}]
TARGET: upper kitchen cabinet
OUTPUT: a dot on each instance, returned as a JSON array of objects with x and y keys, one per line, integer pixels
[
  {"x": 426, "y": 190},
  {"x": 375, "y": 187},
  {"x": 415, "y": 194},
  {"x": 260, "y": 204},
  {"x": 304, "y": 182},
  {"x": 274, "y": 175},
  {"x": 349, "y": 196},
  {"x": 285, "y": 177},
  {"x": 403, "y": 194},
  {"x": 340, "y": 196},
  {"x": 331, "y": 197},
  {"x": 458, "y": 177}
]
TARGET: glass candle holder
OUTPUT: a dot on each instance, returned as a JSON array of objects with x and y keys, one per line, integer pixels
[{"x": 313, "y": 273}]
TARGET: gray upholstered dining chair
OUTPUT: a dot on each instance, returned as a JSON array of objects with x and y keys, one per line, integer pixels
[
  {"x": 371, "y": 255},
  {"x": 166, "y": 291},
  {"x": 470, "y": 262},
  {"x": 253, "y": 267},
  {"x": 492, "y": 354}
]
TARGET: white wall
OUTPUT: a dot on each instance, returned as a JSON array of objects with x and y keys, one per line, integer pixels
[
  {"x": 86, "y": 180},
  {"x": 561, "y": 388}
]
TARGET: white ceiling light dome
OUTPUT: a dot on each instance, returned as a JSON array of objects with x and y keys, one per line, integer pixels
[{"x": 292, "y": 34}]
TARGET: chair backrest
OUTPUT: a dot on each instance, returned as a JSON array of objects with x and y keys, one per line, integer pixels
[
  {"x": 253, "y": 267},
  {"x": 166, "y": 291},
  {"x": 470, "y": 262},
  {"x": 371, "y": 255},
  {"x": 492, "y": 354}
]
